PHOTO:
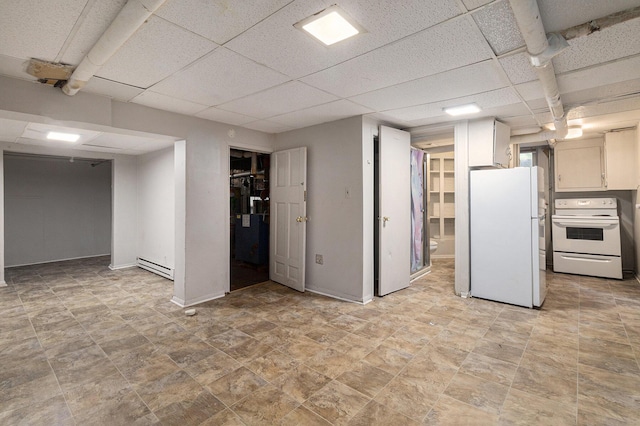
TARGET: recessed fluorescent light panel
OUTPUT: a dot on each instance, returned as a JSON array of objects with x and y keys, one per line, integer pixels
[
  {"x": 64, "y": 137},
  {"x": 330, "y": 26},
  {"x": 462, "y": 109}
]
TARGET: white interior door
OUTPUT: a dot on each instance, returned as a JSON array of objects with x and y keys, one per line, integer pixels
[
  {"x": 394, "y": 199},
  {"x": 288, "y": 221}
]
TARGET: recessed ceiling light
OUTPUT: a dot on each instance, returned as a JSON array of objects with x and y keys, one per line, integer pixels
[
  {"x": 462, "y": 109},
  {"x": 330, "y": 26},
  {"x": 64, "y": 137}
]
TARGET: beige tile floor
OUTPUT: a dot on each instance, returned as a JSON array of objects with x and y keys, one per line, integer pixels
[{"x": 80, "y": 344}]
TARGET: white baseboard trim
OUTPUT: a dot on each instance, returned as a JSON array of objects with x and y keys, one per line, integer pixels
[
  {"x": 125, "y": 266},
  {"x": 336, "y": 297},
  {"x": 3, "y": 284},
  {"x": 638, "y": 278},
  {"x": 197, "y": 301}
]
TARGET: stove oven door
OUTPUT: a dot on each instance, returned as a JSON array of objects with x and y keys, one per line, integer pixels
[{"x": 586, "y": 234}]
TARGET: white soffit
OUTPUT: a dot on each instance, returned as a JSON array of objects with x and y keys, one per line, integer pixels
[
  {"x": 14, "y": 67},
  {"x": 321, "y": 114},
  {"x": 11, "y": 130},
  {"x": 160, "y": 49},
  {"x": 499, "y": 26},
  {"x": 31, "y": 29},
  {"x": 559, "y": 15},
  {"x": 279, "y": 100},
  {"x": 167, "y": 103},
  {"x": 117, "y": 141},
  {"x": 112, "y": 89},
  {"x": 89, "y": 30},
  {"x": 426, "y": 53},
  {"x": 219, "y": 77},
  {"x": 267, "y": 126},
  {"x": 476, "y": 78},
  {"x": 385, "y": 22},
  {"x": 222, "y": 116},
  {"x": 518, "y": 68},
  {"x": 218, "y": 20},
  {"x": 609, "y": 44}
]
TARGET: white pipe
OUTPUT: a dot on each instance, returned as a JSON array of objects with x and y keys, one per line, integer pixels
[
  {"x": 534, "y": 137},
  {"x": 129, "y": 19},
  {"x": 527, "y": 16}
]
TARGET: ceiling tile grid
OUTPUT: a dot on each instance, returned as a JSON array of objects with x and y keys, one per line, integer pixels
[
  {"x": 276, "y": 43},
  {"x": 112, "y": 89},
  {"x": 609, "y": 44},
  {"x": 168, "y": 103},
  {"x": 499, "y": 26},
  {"x": 222, "y": 116},
  {"x": 518, "y": 68},
  {"x": 90, "y": 28},
  {"x": 279, "y": 100},
  {"x": 29, "y": 29},
  {"x": 474, "y": 4},
  {"x": 463, "y": 81},
  {"x": 219, "y": 77},
  {"x": 321, "y": 114},
  {"x": 155, "y": 51},
  {"x": 268, "y": 126},
  {"x": 441, "y": 48},
  {"x": 218, "y": 20}
]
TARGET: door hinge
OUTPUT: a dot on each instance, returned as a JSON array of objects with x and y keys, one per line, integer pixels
[{"x": 305, "y": 195}]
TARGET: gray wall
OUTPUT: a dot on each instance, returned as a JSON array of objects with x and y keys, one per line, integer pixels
[{"x": 55, "y": 209}]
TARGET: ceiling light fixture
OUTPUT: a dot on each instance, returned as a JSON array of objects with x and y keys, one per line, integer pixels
[
  {"x": 64, "y": 137},
  {"x": 330, "y": 26},
  {"x": 462, "y": 109},
  {"x": 574, "y": 132}
]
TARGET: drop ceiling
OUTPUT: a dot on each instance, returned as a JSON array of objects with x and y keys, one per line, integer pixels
[{"x": 244, "y": 63}]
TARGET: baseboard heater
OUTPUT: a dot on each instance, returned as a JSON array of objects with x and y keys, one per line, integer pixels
[{"x": 163, "y": 271}]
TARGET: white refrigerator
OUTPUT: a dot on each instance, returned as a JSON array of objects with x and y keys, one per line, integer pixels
[{"x": 507, "y": 220}]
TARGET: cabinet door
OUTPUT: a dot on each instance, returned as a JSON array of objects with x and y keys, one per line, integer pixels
[
  {"x": 620, "y": 153},
  {"x": 579, "y": 168}
]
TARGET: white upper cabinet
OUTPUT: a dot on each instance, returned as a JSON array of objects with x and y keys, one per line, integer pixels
[
  {"x": 620, "y": 155},
  {"x": 489, "y": 143},
  {"x": 579, "y": 165}
]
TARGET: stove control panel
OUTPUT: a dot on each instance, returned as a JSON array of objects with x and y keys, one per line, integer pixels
[{"x": 586, "y": 203}]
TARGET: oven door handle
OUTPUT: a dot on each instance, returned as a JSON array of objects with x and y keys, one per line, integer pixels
[{"x": 586, "y": 224}]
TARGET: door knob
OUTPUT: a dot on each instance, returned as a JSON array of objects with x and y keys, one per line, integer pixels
[
  {"x": 302, "y": 219},
  {"x": 385, "y": 219}
]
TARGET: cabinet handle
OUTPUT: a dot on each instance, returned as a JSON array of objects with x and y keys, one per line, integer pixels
[{"x": 559, "y": 178}]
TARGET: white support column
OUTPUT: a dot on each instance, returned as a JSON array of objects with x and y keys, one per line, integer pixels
[
  {"x": 462, "y": 249},
  {"x": 2, "y": 281},
  {"x": 124, "y": 231}
]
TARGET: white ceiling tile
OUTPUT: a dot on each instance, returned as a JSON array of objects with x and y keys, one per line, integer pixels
[
  {"x": 14, "y": 67},
  {"x": 267, "y": 126},
  {"x": 600, "y": 93},
  {"x": 520, "y": 121},
  {"x": 426, "y": 53},
  {"x": 530, "y": 90},
  {"x": 592, "y": 77},
  {"x": 476, "y": 78},
  {"x": 518, "y": 68},
  {"x": 321, "y": 114},
  {"x": 94, "y": 24},
  {"x": 31, "y": 29},
  {"x": 168, "y": 103},
  {"x": 112, "y": 89},
  {"x": 276, "y": 43},
  {"x": 218, "y": 20},
  {"x": 494, "y": 99},
  {"x": 561, "y": 15},
  {"x": 474, "y": 4},
  {"x": 219, "y": 77},
  {"x": 222, "y": 116},
  {"x": 279, "y": 100},
  {"x": 11, "y": 130},
  {"x": 155, "y": 51},
  {"x": 499, "y": 26},
  {"x": 596, "y": 109},
  {"x": 609, "y": 44}
]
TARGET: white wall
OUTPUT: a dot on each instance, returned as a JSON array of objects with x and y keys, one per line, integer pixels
[
  {"x": 156, "y": 207},
  {"x": 55, "y": 209},
  {"x": 335, "y": 226},
  {"x": 206, "y": 185}
]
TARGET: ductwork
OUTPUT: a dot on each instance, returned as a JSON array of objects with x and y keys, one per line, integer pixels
[
  {"x": 527, "y": 16},
  {"x": 129, "y": 19}
]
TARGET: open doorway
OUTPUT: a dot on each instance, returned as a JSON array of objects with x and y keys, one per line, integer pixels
[{"x": 249, "y": 221}]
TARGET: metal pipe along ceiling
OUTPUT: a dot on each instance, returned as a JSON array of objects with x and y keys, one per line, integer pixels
[
  {"x": 527, "y": 16},
  {"x": 129, "y": 19}
]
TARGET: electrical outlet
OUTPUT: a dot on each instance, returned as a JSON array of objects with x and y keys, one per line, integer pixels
[{"x": 319, "y": 259}]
